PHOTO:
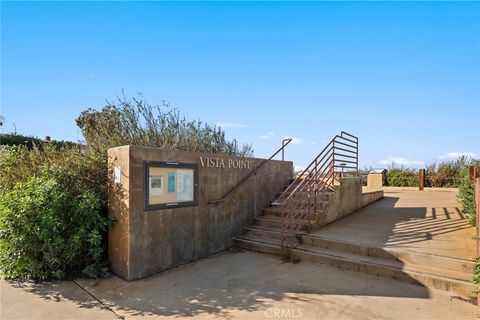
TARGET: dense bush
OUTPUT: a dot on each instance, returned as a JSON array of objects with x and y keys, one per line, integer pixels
[
  {"x": 401, "y": 177},
  {"x": 53, "y": 196},
  {"x": 51, "y": 219},
  {"x": 45, "y": 232},
  {"x": 466, "y": 196},
  {"x": 476, "y": 274},
  {"x": 466, "y": 193},
  {"x": 445, "y": 174},
  {"x": 136, "y": 122},
  {"x": 16, "y": 139},
  {"x": 441, "y": 175},
  {"x": 28, "y": 141}
]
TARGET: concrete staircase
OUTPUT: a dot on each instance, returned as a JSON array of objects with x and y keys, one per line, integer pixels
[{"x": 432, "y": 271}]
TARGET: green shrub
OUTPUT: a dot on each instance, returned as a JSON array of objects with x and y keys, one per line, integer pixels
[
  {"x": 476, "y": 274},
  {"x": 53, "y": 196},
  {"x": 445, "y": 174},
  {"x": 76, "y": 170},
  {"x": 11, "y": 139},
  {"x": 136, "y": 122},
  {"x": 466, "y": 193},
  {"x": 45, "y": 232},
  {"x": 401, "y": 177},
  {"x": 49, "y": 191}
]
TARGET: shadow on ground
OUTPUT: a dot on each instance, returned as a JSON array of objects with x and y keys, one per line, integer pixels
[
  {"x": 241, "y": 281},
  {"x": 249, "y": 281},
  {"x": 397, "y": 221}
]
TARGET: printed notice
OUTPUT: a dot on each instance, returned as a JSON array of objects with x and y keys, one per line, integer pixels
[
  {"x": 185, "y": 185},
  {"x": 171, "y": 182},
  {"x": 156, "y": 185},
  {"x": 117, "y": 174}
]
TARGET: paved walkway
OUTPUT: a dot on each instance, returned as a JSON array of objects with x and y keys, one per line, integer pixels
[
  {"x": 249, "y": 285},
  {"x": 429, "y": 222},
  {"x": 41, "y": 301},
  {"x": 237, "y": 285}
]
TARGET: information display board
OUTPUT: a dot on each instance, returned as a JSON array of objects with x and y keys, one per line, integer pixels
[{"x": 170, "y": 185}]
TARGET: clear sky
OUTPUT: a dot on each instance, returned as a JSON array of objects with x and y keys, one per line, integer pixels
[{"x": 403, "y": 76}]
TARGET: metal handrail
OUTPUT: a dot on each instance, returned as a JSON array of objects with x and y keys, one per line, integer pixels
[
  {"x": 332, "y": 142},
  {"x": 285, "y": 142},
  {"x": 302, "y": 197}
]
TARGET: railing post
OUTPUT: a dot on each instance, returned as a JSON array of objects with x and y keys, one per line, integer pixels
[
  {"x": 356, "y": 155},
  {"x": 476, "y": 193},
  {"x": 283, "y": 146},
  {"x": 309, "y": 211},
  {"x": 316, "y": 184}
]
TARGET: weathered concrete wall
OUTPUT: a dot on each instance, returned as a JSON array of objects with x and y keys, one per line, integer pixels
[
  {"x": 374, "y": 181},
  {"x": 371, "y": 196},
  {"x": 142, "y": 243},
  {"x": 346, "y": 199}
]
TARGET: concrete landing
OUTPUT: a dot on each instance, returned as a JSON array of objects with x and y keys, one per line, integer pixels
[
  {"x": 428, "y": 222},
  {"x": 416, "y": 237},
  {"x": 249, "y": 285},
  {"x": 234, "y": 285}
]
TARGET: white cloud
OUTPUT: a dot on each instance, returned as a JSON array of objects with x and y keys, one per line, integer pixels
[
  {"x": 299, "y": 168},
  {"x": 267, "y": 136},
  {"x": 294, "y": 140},
  {"x": 398, "y": 161},
  {"x": 225, "y": 125},
  {"x": 455, "y": 155}
]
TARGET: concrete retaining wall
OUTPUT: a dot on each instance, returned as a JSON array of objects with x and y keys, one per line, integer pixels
[
  {"x": 371, "y": 196},
  {"x": 142, "y": 243},
  {"x": 347, "y": 198}
]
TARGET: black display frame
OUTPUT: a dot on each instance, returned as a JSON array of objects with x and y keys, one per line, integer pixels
[{"x": 170, "y": 164}]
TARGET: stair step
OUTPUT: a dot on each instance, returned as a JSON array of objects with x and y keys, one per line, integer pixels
[
  {"x": 458, "y": 282},
  {"x": 407, "y": 257},
  {"x": 431, "y": 277},
  {"x": 326, "y": 194},
  {"x": 271, "y": 222},
  {"x": 263, "y": 233},
  {"x": 267, "y": 221},
  {"x": 257, "y": 245},
  {"x": 277, "y": 211}
]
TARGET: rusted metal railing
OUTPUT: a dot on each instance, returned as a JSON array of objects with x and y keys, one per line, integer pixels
[
  {"x": 476, "y": 191},
  {"x": 285, "y": 142},
  {"x": 307, "y": 193}
]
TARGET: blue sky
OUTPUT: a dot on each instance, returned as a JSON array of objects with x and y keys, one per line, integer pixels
[{"x": 403, "y": 76}]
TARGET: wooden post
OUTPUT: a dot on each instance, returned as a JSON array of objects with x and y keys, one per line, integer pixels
[
  {"x": 471, "y": 173},
  {"x": 421, "y": 179}
]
